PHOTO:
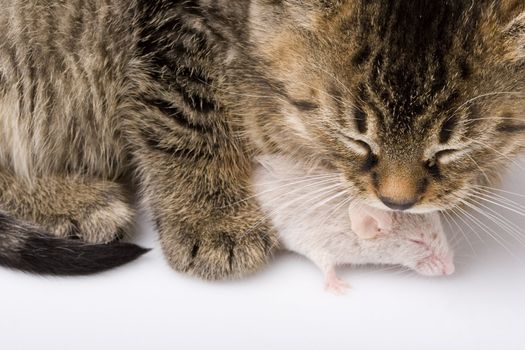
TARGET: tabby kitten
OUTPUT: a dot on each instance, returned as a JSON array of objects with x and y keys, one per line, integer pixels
[{"x": 413, "y": 102}]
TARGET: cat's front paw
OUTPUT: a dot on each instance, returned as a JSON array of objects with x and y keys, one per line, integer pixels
[
  {"x": 220, "y": 252},
  {"x": 103, "y": 218}
]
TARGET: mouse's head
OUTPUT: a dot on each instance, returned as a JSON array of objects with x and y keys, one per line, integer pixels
[
  {"x": 417, "y": 242},
  {"x": 428, "y": 251}
]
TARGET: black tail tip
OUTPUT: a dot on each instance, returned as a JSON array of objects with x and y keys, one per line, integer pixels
[
  {"x": 39, "y": 252},
  {"x": 134, "y": 251},
  {"x": 100, "y": 258},
  {"x": 58, "y": 257}
]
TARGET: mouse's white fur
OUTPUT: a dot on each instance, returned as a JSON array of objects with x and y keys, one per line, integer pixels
[{"x": 310, "y": 209}]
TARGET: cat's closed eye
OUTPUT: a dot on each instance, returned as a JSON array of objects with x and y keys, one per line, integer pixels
[
  {"x": 360, "y": 147},
  {"x": 445, "y": 156},
  {"x": 304, "y": 105},
  {"x": 440, "y": 158},
  {"x": 364, "y": 149}
]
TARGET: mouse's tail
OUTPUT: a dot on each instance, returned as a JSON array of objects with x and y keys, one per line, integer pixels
[{"x": 29, "y": 248}]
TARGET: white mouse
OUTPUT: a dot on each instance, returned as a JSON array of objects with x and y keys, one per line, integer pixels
[{"x": 336, "y": 232}]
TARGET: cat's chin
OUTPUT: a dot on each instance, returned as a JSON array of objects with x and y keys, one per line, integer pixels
[
  {"x": 420, "y": 209},
  {"x": 424, "y": 209}
]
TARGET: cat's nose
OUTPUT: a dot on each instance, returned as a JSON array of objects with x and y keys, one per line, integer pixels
[
  {"x": 395, "y": 205},
  {"x": 400, "y": 188}
]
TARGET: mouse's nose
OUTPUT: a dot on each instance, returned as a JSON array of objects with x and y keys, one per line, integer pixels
[{"x": 392, "y": 204}]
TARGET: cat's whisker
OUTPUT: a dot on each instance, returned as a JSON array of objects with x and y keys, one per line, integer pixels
[
  {"x": 494, "y": 189},
  {"x": 453, "y": 225},
  {"x": 329, "y": 184},
  {"x": 479, "y": 167},
  {"x": 486, "y": 229},
  {"x": 465, "y": 237},
  {"x": 503, "y": 222},
  {"x": 455, "y": 245},
  {"x": 453, "y": 238},
  {"x": 303, "y": 199},
  {"x": 296, "y": 180},
  {"x": 312, "y": 208},
  {"x": 499, "y": 220},
  {"x": 501, "y": 205},
  {"x": 500, "y": 199},
  {"x": 326, "y": 201},
  {"x": 348, "y": 201},
  {"x": 320, "y": 181},
  {"x": 495, "y": 151},
  {"x": 458, "y": 213},
  {"x": 494, "y": 119},
  {"x": 477, "y": 235},
  {"x": 491, "y": 94}
]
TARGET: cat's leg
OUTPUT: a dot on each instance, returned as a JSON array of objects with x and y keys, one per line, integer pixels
[
  {"x": 209, "y": 226},
  {"x": 94, "y": 211},
  {"x": 196, "y": 183}
]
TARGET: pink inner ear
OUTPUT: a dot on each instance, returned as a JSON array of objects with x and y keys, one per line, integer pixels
[
  {"x": 384, "y": 221},
  {"x": 364, "y": 226},
  {"x": 383, "y": 218},
  {"x": 368, "y": 222}
]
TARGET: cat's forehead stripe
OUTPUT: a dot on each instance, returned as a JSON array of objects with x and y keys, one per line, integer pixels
[{"x": 409, "y": 63}]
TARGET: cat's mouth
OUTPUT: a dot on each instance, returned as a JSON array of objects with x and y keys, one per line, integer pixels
[{"x": 417, "y": 209}]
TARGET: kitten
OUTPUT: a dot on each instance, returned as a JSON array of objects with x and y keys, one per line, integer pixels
[{"x": 413, "y": 103}]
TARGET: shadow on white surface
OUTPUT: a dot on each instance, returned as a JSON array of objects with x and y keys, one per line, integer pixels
[{"x": 145, "y": 305}]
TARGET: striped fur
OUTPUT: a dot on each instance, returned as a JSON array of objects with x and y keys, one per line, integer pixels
[{"x": 173, "y": 98}]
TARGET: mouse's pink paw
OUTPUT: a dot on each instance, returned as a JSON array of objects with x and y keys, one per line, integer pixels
[{"x": 335, "y": 285}]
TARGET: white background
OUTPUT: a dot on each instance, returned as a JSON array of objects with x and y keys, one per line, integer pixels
[{"x": 147, "y": 306}]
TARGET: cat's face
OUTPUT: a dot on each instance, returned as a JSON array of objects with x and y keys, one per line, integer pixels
[{"x": 414, "y": 102}]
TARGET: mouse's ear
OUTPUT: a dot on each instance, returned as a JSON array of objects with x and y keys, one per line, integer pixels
[
  {"x": 365, "y": 227},
  {"x": 383, "y": 218},
  {"x": 369, "y": 223}
]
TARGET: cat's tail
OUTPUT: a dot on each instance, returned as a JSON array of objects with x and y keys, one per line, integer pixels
[{"x": 28, "y": 248}]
